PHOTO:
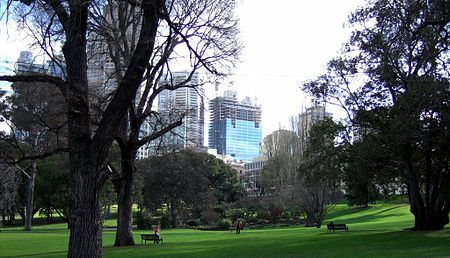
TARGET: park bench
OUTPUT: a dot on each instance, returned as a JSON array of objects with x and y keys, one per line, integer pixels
[
  {"x": 332, "y": 227},
  {"x": 151, "y": 237}
]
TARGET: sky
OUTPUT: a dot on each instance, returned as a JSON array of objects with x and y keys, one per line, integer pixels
[{"x": 286, "y": 43}]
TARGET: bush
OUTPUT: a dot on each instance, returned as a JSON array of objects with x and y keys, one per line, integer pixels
[
  {"x": 143, "y": 220},
  {"x": 194, "y": 222},
  {"x": 166, "y": 220},
  {"x": 224, "y": 224}
]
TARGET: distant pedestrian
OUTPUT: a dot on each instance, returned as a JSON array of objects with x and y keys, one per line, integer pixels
[{"x": 239, "y": 225}]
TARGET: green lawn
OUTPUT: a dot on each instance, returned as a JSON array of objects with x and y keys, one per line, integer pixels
[{"x": 374, "y": 232}]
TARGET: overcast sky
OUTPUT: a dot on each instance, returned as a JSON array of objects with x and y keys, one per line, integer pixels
[{"x": 286, "y": 42}]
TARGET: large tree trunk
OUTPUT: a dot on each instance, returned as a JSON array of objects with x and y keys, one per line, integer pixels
[
  {"x": 88, "y": 154},
  {"x": 432, "y": 217},
  {"x": 85, "y": 160},
  {"x": 310, "y": 220},
  {"x": 30, "y": 196},
  {"x": 173, "y": 214},
  {"x": 85, "y": 213},
  {"x": 124, "y": 233}
]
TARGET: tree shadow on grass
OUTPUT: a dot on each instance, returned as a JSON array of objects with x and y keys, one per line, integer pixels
[
  {"x": 339, "y": 216},
  {"x": 378, "y": 243},
  {"x": 49, "y": 254}
]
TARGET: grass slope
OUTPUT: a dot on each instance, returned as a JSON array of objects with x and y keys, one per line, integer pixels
[{"x": 374, "y": 232}]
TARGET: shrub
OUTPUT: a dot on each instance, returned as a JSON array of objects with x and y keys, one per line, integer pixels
[
  {"x": 194, "y": 222},
  {"x": 143, "y": 220},
  {"x": 166, "y": 220},
  {"x": 224, "y": 224}
]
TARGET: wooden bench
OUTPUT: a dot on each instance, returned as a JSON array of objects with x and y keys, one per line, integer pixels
[
  {"x": 151, "y": 237},
  {"x": 332, "y": 227}
]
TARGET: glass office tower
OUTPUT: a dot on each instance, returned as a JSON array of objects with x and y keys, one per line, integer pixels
[{"x": 235, "y": 127}]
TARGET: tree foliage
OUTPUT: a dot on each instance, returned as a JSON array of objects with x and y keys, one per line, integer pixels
[
  {"x": 9, "y": 190},
  {"x": 37, "y": 124},
  {"x": 303, "y": 168},
  {"x": 52, "y": 183},
  {"x": 393, "y": 76},
  {"x": 198, "y": 182}
]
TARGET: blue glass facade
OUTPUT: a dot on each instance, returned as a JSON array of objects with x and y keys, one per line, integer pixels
[
  {"x": 235, "y": 128},
  {"x": 242, "y": 139}
]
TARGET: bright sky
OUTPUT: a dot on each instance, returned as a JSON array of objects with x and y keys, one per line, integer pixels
[{"x": 286, "y": 42}]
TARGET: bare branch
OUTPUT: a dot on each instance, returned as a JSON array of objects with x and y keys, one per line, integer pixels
[{"x": 161, "y": 132}]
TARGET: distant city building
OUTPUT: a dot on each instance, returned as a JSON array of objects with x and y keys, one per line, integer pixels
[
  {"x": 187, "y": 100},
  {"x": 101, "y": 71},
  {"x": 26, "y": 64},
  {"x": 235, "y": 127},
  {"x": 171, "y": 105},
  {"x": 251, "y": 177},
  {"x": 312, "y": 114}
]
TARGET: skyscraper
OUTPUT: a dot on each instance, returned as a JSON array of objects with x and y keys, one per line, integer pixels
[
  {"x": 55, "y": 67},
  {"x": 235, "y": 127},
  {"x": 188, "y": 100},
  {"x": 312, "y": 115}
]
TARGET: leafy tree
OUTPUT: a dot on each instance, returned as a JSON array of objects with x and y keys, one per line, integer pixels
[
  {"x": 9, "y": 196},
  {"x": 397, "y": 55},
  {"x": 360, "y": 172},
  {"x": 317, "y": 183},
  {"x": 186, "y": 179},
  {"x": 52, "y": 183},
  {"x": 303, "y": 168},
  {"x": 67, "y": 23},
  {"x": 37, "y": 131}
]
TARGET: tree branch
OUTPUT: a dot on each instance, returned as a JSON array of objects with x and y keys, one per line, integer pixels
[
  {"x": 60, "y": 83},
  {"x": 205, "y": 64},
  {"x": 160, "y": 133}
]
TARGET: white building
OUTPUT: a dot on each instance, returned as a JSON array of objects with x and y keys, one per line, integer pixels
[{"x": 186, "y": 101}]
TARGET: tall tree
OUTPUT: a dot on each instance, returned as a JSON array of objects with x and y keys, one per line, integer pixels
[
  {"x": 67, "y": 21},
  {"x": 399, "y": 52},
  {"x": 205, "y": 25},
  {"x": 303, "y": 168},
  {"x": 37, "y": 130},
  {"x": 318, "y": 179}
]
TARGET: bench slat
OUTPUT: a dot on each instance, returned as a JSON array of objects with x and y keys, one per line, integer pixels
[
  {"x": 333, "y": 227},
  {"x": 151, "y": 237}
]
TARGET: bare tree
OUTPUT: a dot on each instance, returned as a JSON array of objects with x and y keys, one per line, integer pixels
[
  {"x": 68, "y": 21},
  {"x": 205, "y": 26},
  {"x": 302, "y": 167}
]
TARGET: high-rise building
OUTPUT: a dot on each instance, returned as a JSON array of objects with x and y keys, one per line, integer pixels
[
  {"x": 308, "y": 118},
  {"x": 235, "y": 127},
  {"x": 187, "y": 100},
  {"x": 55, "y": 67}
]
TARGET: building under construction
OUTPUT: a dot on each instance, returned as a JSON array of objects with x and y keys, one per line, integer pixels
[{"x": 235, "y": 127}]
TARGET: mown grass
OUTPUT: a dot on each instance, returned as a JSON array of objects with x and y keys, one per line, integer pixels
[{"x": 377, "y": 231}]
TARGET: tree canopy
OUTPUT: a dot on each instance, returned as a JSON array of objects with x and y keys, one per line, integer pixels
[
  {"x": 392, "y": 78},
  {"x": 197, "y": 181}
]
